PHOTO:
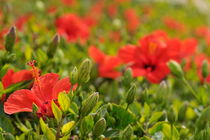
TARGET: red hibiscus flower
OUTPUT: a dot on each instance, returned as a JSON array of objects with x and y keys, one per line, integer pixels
[
  {"x": 45, "y": 90},
  {"x": 106, "y": 64},
  {"x": 202, "y": 31},
  {"x": 94, "y": 14},
  {"x": 69, "y": 2},
  {"x": 20, "y": 21},
  {"x": 173, "y": 24},
  {"x": 72, "y": 27},
  {"x": 12, "y": 77},
  {"x": 150, "y": 58},
  {"x": 132, "y": 19}
]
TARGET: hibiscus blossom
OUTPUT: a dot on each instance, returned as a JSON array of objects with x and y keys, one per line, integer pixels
[
  {"x": 133, "y": 21},
  {"x": 45, "y": 90},
  {"x": 106, "y": 64},
  {"x": 72, "y": 27},
  {"x": 174, "y": 24},
  {"x": 154, "y": 51}
]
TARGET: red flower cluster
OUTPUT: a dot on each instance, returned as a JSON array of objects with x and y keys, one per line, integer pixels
[
  {"x": 72, "y": 27},
  {"x": 106, "y": 64},
  {"x": 150, "y": 57},
  {"x": 45, "y": 90}
]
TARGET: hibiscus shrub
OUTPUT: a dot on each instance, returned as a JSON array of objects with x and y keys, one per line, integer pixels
[{"x": 104, "y": 70}]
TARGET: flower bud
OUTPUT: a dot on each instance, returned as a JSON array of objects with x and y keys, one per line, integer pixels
[
  {"x": 131, "y": 94},
  {"x": 89, "y": 104},
  {"x": 74, "y": 76},
  {"x": 10, "y": 39},
  {"x": 127, "y": 133},
  {"x": 84, "y": 71},
  {"x": 99, "y": 128},
  {"x": 182, "y": 112},
  {"x": 176, "y": 69},
  {"x": 171, "y": 115},
  {"x": 53, "y": 46},
  {"x": 205, "y": 68},
  {"x": 127, "y": 77}
]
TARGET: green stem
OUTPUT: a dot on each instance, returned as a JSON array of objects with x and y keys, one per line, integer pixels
[
  {"x": 58, "y": 133},
  {"x": 127, "y": 106},
  {"x": 190, "y": 88},
  {"x": 172, "y": 133}
]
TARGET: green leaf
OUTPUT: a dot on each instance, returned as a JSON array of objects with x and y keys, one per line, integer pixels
[
  {"x": 57, "y": 112},
  {"x": 67, "y": 127},
  {"x": 6, "y": 124},
  {"x": 146, "y": 110},
  {"x": 204, "y": 119},
  {"x": 64, "y": 101},
  {"x": 155, "y": 117},
  {"x": 46, "y": 130},
  {"x": 41, "y": 56},
  {"x": 123, "y": 117},
  {"x": 165, "y": 128},
  {"x": 87, "y": 124},
  {"x": 145, "y": 138}
]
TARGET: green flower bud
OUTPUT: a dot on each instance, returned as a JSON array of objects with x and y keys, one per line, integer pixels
[
  {"x": 53, "y": 46},
  {"x": 127, "y": 133},
  {"x": 74, "y": 76},
  {"x": 131, "y": 94},
  {"x": 99, "y": 128},
  {"x": 205, "y": 68},
  {"x": 10, "y": 39},
  {"x": 84, "y": 71},
  {"x": 9, "y": 136},
  {"x": 171, "y": 115},
  {"x": 182, "y": 112},
  {"x": 89, "y": 104},
  {"x": 127, "y": 77},
  {"x": 176, "y": 69}
]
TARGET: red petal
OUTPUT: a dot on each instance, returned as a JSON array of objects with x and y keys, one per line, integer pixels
[
  {"x": 96, "y": 54},
  {"x": 7, "y": 79},
  {"x": 127, "y": 53},
  {"x": 20, "y": 101},
  {"x": 22, "y": 75},
  {"x": 43, "y": 89},
  {"x": 61, "y": 85}
]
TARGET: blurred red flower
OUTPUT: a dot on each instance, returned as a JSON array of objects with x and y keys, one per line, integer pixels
[
  {"x": 68, "y": 2},
  {"x": 155, "y": 50},
  {"x": 202, "y": 31},
  {"x": 45, "y": 90},
  {"x": 72, "y": 27},
  {"x": 106, "y": 64},
  {"x": 94, "y": 14},
  {"x": 173, "y": 24},
  {"x": 20, "y": 21},
  {"x": 132, "y": 19}
]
